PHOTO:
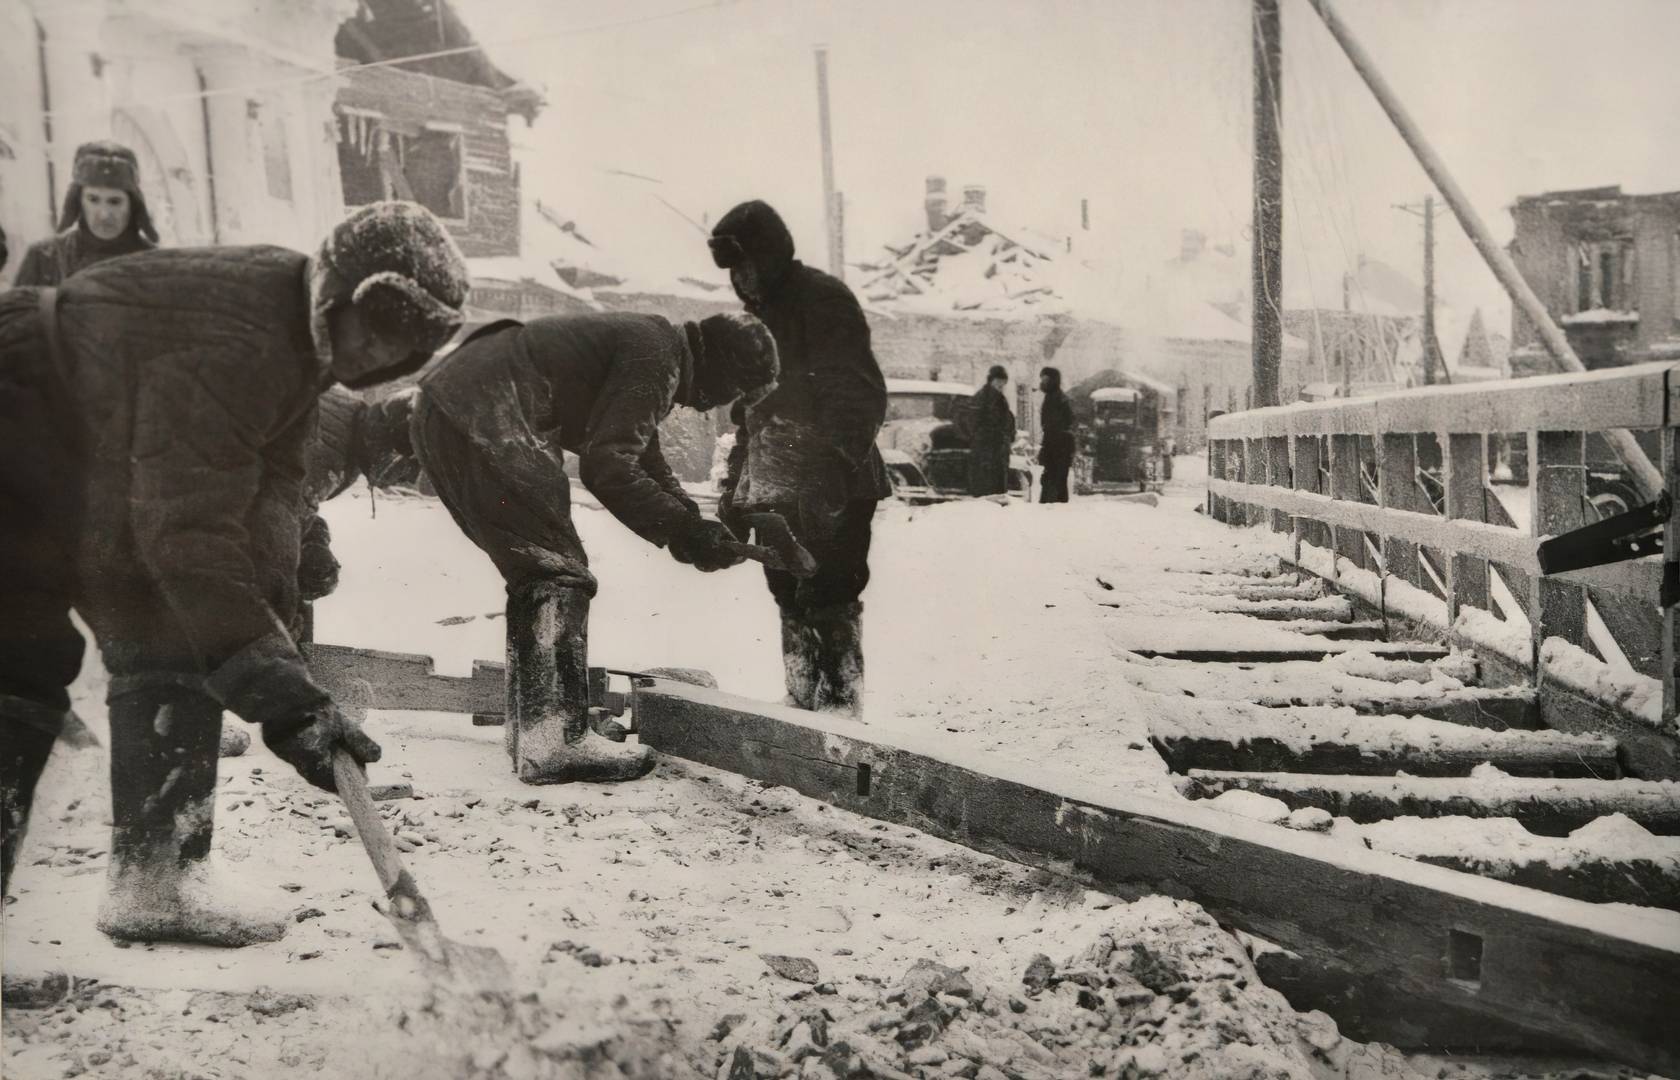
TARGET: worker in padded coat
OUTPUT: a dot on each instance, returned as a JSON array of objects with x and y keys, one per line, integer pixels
[
  {"x": 808, "y": 451},
  {"x": 104, "y": 216},
  {"x": 155, "y": 413},
  {"x": 492, "y": 423}
]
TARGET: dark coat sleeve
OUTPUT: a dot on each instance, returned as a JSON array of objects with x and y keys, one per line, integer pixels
[
  {"x": 653, "y": 460},
  {"x": 853, "y": 400},
  {"x": 39, "y": 268},
  {"x": 623, "y": 435},
  {"x": 280, "y": 516}
]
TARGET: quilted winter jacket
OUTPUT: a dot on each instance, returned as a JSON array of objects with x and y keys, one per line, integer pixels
[
  {"x": 50, "y": 262},
  {"x": 830, "y": 383},
  {"x": 194, "y": 372},
  {"x": 596, "y": 385}
]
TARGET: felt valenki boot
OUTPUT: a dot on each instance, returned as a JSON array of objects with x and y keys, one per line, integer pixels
[
  {"x": 839, "y": 665},
  {"x": 547, "y": 730},
  {"x": 800, "y": 647},
  {"x": 163, "y": 884},
  {"x": 29, "y": 730}
]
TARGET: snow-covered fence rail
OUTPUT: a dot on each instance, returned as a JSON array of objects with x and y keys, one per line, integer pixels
[{"x": 1390, "y": 498}]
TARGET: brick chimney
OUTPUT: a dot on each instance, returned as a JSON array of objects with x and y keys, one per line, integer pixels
[
  {"x": 974, "y": 198},
  {"x": 935, "y": 204},
  {"x": 1191, "y": 244}
]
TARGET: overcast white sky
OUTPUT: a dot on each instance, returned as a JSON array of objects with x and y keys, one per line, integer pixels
[{"x": 1142, "y": 106}]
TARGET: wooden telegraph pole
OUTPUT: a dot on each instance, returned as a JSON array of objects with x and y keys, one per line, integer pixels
[
  {"x": 1268, "y": 202},
  {"x": 1431, "y": 343},
  {"x": 1646, "y": 475},
  {"x": 836, "y": 264}
]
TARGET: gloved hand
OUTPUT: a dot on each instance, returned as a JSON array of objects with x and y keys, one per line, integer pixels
[
  {"x": 735, "y": 522},
  {"x": 317, "y": 575},
  {"x": 701, "y": 546},
  {"x": 306, "y": 741}
]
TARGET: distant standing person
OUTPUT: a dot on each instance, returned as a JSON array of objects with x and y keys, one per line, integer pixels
[
  {"x": 808, "y": 451},
  {"x": 992, "y": 432},
  {"x": 104, "y": 216},
  {"x": 1055, "y": 450}
]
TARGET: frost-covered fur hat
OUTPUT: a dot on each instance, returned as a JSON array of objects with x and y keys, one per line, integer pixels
[
  {"x": 733, "y": 353},
  {"x": 111, "y": 165},
  {"x": 398, "y": 265}
]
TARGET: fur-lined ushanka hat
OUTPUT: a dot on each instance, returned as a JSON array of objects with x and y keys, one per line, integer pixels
[
  {"x": 395, "y": 262},
  {"x": 111, "y": 165}
]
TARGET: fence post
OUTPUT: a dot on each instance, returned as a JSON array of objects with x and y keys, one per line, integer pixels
[
  {"x": 1304, "y": 467},
  {"x": 1279, "y": 470},
  {"x": 1397, "y": 490},
  {"x": 1465, "y": 473},
  {"x": 1216, "y": 470},
  {"x": 1344, "y": 484},
  {"x": 1557, "y": 477},
  {"x": 1671, "y": 554},
  {"x": 1254, "y": 472}
]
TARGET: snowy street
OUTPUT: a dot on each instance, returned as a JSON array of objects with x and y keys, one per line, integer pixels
[{"x": 644, "y": 906}]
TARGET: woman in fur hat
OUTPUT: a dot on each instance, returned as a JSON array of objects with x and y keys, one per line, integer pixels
[
  {"x": 104, "y": 216},
  {"x": 155, "y": 415}
]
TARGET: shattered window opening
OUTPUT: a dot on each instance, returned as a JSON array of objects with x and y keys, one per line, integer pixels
[{"x": 377, "y": 162}]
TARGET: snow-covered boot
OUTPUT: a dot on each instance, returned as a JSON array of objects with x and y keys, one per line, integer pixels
[
  {"x": 547, "y": 727},
  {"x": 163, "y": 884},
  {"x": 28, "y": 730},
  {"x": 800, "y": 647},
  {"x": 839, "y": 632}
]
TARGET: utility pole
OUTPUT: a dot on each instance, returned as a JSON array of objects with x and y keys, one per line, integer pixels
[
  {"x": 1268, "y": 202},
  {"x": 1647, "y": 476},
  {"x": 835, "y": 264},
  {"x": 1431, "y": 347}
]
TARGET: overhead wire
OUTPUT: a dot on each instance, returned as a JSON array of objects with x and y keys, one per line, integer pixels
[{"x": 435, "y": 54}]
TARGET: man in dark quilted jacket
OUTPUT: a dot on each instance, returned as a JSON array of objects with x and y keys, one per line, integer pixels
[
  {"x": 154, "y": 416},
  {"x": 808, "y": 451},
  {"x": 490, "y": 426}
]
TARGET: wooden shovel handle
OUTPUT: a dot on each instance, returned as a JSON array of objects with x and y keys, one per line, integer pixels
[{"x": 376, "y": 838}]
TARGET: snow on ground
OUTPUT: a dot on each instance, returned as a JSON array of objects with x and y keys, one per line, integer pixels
[{"x": 637, "y": 915}]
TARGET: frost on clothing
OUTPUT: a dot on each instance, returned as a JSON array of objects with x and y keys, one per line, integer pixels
[
  {"x": 196, "y": 378},
  {"x": 596, "y": 385},
  {"x": 830, "y": 395}
]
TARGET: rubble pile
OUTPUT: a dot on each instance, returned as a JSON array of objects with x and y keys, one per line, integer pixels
[{"x": 1163, "y": 991}]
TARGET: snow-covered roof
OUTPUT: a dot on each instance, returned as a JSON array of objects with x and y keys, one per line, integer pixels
[
  {"x": 927, "y": 386},
  {"x": 967, "y": 265}
]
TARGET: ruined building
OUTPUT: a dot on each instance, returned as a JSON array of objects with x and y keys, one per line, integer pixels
[{"x": 1607, "y": 267}]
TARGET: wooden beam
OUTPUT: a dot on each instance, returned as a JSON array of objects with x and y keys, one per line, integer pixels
[
  {"x": 1544, "y": 806},
  {"x": 1641, "y": 577},
  {"x": 1604, "y": 982},
  {"x": 1464, "y": 472},
  {"x": 1344, "y": 490},
  {"x": 1397, "y": 485},
  {"x": 1307, "y": 650},
  {"x": 409, "y": 680},
  {"x": 1625, "y": 397},
  {"x": 1557, "y": 484}
]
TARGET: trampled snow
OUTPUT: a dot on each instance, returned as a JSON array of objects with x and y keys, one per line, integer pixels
[{"x": 643, "y": 908}]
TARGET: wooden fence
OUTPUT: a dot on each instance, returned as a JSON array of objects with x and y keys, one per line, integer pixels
[{"x": 1399, "y": 486}]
